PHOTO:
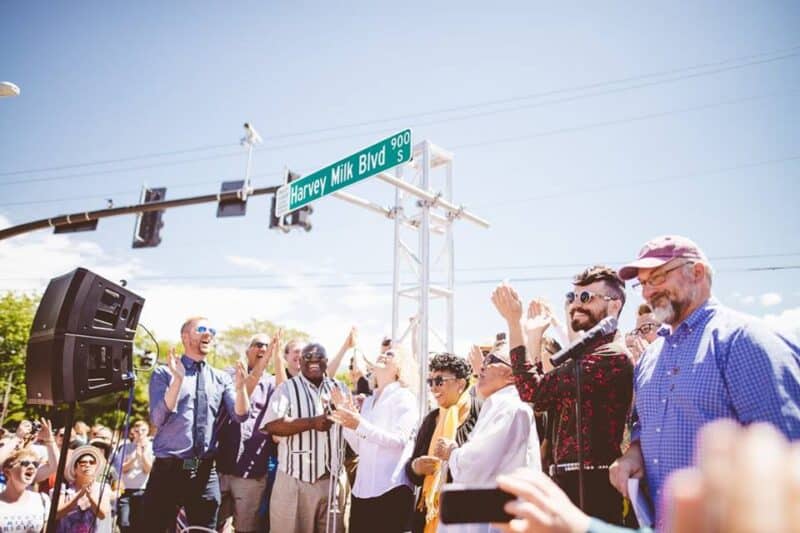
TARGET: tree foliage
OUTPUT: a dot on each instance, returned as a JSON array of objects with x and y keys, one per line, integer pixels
[{"x": 16, "y": 317}]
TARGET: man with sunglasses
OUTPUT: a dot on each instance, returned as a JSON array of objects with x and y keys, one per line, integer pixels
[
  {"x": 247, "y": 457},
  {"x": 309, "y": 449},
  {"x": 606, "y": 378},
  {"x": 186, "y": 396},
  {"x": 710, "y": 362}
]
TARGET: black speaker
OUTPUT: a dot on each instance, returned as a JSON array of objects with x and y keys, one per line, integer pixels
[{"x": 81, "y": 343}]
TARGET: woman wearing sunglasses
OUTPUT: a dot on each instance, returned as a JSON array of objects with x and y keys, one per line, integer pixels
[
  {"x": 85, "y": 506},
  {"x": 382, "y": 498},
  {"x": 22, "y": 509},
  {"x": 448, "y": 379}
]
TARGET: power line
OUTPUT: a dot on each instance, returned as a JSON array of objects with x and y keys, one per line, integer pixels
[
  {"x": 516, "y": 138},
  {"x": 675, "y": 177},
  {"x": 323, "y": 274},
  {"x": 790, "y": 52}
]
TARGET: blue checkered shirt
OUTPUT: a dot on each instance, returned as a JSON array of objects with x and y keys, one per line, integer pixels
[{"x": 717, "y": 364}]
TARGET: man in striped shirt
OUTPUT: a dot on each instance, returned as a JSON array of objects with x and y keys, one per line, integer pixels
[{"x": 310, "y": 448}]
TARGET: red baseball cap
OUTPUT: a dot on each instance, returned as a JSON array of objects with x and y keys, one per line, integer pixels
[{"x": 661, "y": 250}]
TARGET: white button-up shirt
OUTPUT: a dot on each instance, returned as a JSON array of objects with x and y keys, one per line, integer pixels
[
  {"x": 381, "y": 438},
  {"x": 504, "y": 438}
]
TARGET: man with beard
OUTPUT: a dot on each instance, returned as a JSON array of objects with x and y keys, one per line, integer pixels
[
  {"x": 308, "y": 449},
  {"x": 710, "y": 362},
  {"x": 606, "y": 379},
  {"x": 186, "y": 395}
]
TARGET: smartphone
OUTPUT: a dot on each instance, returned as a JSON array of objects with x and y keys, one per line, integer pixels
[{"x": 462, "y": 504}]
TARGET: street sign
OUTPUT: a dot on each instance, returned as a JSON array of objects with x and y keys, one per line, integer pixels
[{"x": 381, "y": 156}]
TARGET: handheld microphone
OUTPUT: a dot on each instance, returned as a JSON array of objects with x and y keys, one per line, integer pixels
[{"x": 605, "y": 327}]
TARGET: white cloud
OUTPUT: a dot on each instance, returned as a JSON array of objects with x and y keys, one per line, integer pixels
[
  {"x": 788, "y": 322},
  {"x": 251, "y": 263},
  {"x": 28, "y": 262},
  {"x": 748, "y": 299},
  {"x": 770, "y": 299}
]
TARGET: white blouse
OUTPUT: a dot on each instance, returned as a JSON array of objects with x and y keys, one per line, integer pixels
[{"x": 384, "y": 441}]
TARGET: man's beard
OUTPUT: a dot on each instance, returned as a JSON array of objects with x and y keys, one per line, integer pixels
[
  {"x": 669, "y": 312},
  {"x": 588, "y": 322}
]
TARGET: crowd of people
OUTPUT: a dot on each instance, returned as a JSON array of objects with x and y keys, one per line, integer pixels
[{"x": 277, "y": 443}]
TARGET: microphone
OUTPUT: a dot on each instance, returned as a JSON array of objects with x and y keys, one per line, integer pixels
[{"x": 605, "y": 327}]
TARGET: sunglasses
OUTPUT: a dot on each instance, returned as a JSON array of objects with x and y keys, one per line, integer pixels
[
  {"x": 314, "y": 355},
  {"x": 438, "y": 381},
  {"x": 25, "y": 463},
  {"x": 492, "y": 359},
  {"x": 644, "y": 329},
  {"x": 87, "y": 462},
  {"x": 260, "y": 345},
  {"x": 585, "y": 296},
  {"x": 205, "y": 329}
]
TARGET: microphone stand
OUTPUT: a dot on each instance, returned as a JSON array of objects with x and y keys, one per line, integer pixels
[
  {"x": 579, "y": 426},
  {"x": 62, "y": 463}
]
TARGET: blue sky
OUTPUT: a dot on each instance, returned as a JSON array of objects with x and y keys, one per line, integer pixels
[{"x": 579, "y": 132}]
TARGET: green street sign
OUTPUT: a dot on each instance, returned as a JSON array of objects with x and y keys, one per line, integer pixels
[{"x": 381, "y": 156}]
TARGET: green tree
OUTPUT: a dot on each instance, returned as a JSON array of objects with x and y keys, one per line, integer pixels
[
  {"x": 16, "y": 316},
  {"x": 232, "y": 342}
]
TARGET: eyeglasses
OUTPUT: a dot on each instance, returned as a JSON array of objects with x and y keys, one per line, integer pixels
[
  {"x": 87, "y": 462},
  {"x": 260, "y": 345},
  {"x": 492, "y": 359},
  {"x": 205, "y": 329},
  {"x": 644, "y": 329},
  {"x": 586, "y": 296},
  {"x": 308, "y": 356},
  {"x": 438, "y": 381},
  {"x": 389, "y": 354},
  {"x": 25, "y": 463},
  {"x": 657, "y": 279}
]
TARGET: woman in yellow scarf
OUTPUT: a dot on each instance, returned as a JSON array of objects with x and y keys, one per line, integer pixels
[{"x": 448, "y": 378}]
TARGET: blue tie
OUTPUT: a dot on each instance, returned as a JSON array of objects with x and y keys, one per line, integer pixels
[{"x": 200, "y": 411}]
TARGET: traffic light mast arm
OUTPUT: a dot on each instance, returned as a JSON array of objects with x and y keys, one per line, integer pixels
[{"x": 65, "y": 220}]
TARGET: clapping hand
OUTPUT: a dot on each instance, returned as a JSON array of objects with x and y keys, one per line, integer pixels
[
  {"x": 539, "y": 318},
  {"x": 175, "y": 365},
  {"x": 507, "y": 302}
]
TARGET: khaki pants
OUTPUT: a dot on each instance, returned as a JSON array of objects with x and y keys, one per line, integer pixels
[
  {"x": 299, "y": 507},
  {"x": 241, "y": 498}
]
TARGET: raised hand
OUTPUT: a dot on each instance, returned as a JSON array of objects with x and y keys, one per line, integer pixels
[
  {"x": 175, "y": 365},
  {"x": 475, "y": 358},
  {"x": 507, "y": 302},
  {"x": 240, "y": 375},
  {"x": 346, "y": 417},
  {"x": 342, "y": 400},
  {"x": 46, "y": 433},
  {"x": 352, "y": 338},
  {"x": 539, "y": 318}
]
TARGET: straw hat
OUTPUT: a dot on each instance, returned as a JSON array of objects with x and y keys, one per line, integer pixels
[{"x": 78, "y": 453}]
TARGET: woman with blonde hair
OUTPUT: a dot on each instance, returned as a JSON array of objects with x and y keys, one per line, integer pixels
[
  {"x": 21, "y": 509},
  {"x": 382, "y": 498}
]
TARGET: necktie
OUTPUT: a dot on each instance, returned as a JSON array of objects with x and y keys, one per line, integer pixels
[{"x": 200, "y": 410}]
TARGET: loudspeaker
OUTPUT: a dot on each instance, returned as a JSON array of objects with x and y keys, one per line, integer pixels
[{"x": 81, "y": 343}]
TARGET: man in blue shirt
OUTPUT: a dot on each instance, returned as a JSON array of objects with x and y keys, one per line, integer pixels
[
  {"x": 710, "y": 362},
  {"x": 186, "y": 395}
]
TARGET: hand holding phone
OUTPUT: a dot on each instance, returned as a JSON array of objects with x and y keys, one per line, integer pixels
[{"x": 461, "y": 504}]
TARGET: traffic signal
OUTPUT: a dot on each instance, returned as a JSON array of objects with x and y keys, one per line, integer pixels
[
  {"x": 276, "y": 222},
  {"x": 149, "y": 224},
  {"x": 233, "y": 207},
  {"x": 300, "y": 217}
]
